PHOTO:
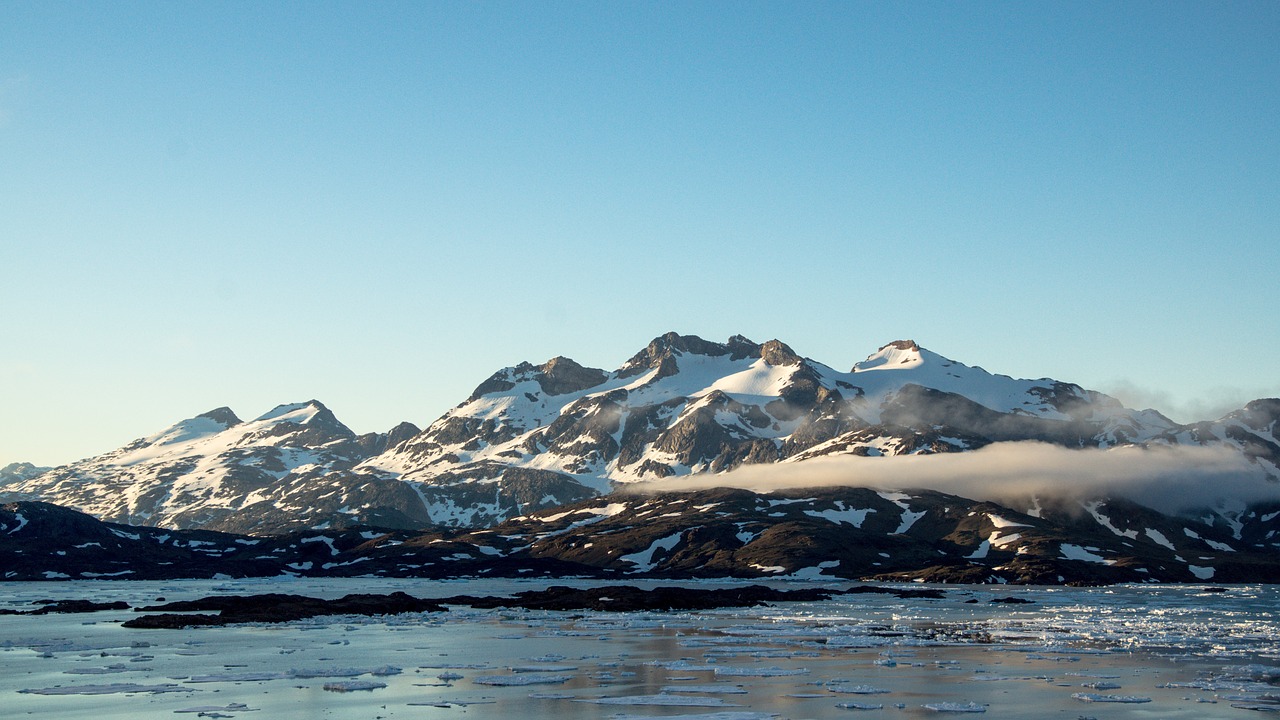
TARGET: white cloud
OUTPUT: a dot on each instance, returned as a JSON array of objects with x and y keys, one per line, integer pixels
[{"x": 1168, "y": 479}]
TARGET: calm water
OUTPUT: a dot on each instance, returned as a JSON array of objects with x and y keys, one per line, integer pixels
[{"x": 1193, "y": 654}]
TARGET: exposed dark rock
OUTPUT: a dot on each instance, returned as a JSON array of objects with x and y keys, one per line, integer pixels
[
  {"x": 276, "y": 608},
  {"x": 75, "y": 606},
  {"x": 776, "y": 352},
  {"x": 222, "y": 415},
  {"x": 918, "y": 407},
  {"x": 560, "y": 375},
  {"x": 662, "y": 348}
]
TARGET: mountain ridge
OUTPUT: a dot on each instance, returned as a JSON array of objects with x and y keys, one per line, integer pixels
[{"x": 533, "y": 437}]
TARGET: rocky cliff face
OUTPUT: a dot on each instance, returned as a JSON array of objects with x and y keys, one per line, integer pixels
[{"x": 535, "y": 437}]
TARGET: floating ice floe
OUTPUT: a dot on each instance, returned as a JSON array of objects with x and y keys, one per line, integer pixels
[
  {"x": 715, "y": 688},
  {"x": 239, "y": 677},
  {"x": 662, "y": 700},
  {"x": 682, "y": 665},
  {"x": 108, "y": 670},
  {"x": 353, "y": 685},
  {"x": 859, "y": 706},
  {"x": 230, "y": 707},
  {"x": 522, "y": 679},
  {"x": 106, "y": 689},
  {"x": 1258, "y": 702},
  {"x": 856, "y": 689},
  {"x": 295, "y": 674},
  {"x": 950, "y": 707},
  {"x": 1261, "y": 673},
  {"x": 542, "y": 668},
  {"x": 728, "y": 715},
  {"x": 382, "y": 671},
  {"x": 774, "y": 671},
  {"x": 1094, "y": 697}
]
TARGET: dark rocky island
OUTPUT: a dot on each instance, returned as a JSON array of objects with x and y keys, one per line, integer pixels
[{"x": 275, "y": 607}]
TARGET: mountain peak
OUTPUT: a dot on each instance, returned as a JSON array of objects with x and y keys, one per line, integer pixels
[
  {"x": 299, "y": 413},
  {"x": 897, "y": 355},
  {"x": 560, "y": 375},
  {"x": 222, "y": 415},
  {"x": 776, "y": 352},
  {"x": 671, "y": 343}
]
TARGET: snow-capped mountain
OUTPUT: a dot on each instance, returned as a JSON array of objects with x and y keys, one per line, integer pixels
[
  {"x": 215, "y": 471},
  {"x": 16, "y": 472},
  {"x": 533, "y": 437},
  {"x": 684, "y": 406}
]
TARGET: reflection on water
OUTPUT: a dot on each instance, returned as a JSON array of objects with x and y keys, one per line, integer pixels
[{"x": 1184, "y": 652}]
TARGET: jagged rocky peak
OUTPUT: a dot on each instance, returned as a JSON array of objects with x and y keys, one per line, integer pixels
[
  {"x": 663, "y": 347},
  {"x": 401, "y": 432},
  {"x": 377, "y": 443},
  {"x": 223, "y": 415},
  {"x": 560, "y": 375},
  {"x": 557, "y": 376},
  {"x": 776, "y": 352}
]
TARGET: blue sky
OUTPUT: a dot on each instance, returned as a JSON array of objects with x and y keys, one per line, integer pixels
[{"x": 379, "y": 204}]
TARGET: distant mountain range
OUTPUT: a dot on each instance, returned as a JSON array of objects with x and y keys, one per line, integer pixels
[{"x": 534, "y": 438}]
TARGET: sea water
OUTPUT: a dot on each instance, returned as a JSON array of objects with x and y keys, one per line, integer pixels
[{"x": 1141, "y": 651}]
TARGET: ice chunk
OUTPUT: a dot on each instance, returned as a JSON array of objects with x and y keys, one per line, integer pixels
[
  {"x": 522, "y": 679},
  {"x": 956, "y": 707},
  {"x": 238, "y": 677},
  {"x": 714, "y": 688},
  {"x": 774, "y": 671},
  {"x": 856, "y": 689},
  {"x": 730, "y": 715},
  {"x": 108, "y": 670},
  {"x": 663, "y": 700},
  {"x": 353, "y": 685},
  {"x": 107, "y": 689},
  {"x": 1094, "y": 697}
]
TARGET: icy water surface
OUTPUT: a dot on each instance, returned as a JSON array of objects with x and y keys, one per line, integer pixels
[{"x": 1120, "y": 652}]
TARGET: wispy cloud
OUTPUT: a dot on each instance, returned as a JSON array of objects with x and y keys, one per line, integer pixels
[
  {"x": 1213, "y": 404},
  {"x": 1168, "y": 479}
]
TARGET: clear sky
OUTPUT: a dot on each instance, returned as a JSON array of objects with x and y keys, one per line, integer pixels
[{"x": 378, "y": 204}]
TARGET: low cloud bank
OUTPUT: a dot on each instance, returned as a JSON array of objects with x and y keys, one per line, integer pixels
[{"x": 1168, "y": 479}]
